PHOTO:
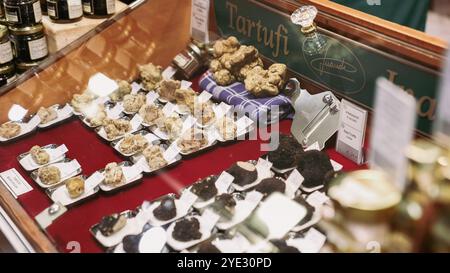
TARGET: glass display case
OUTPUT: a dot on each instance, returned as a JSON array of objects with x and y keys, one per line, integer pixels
[{"x": 334, "y": 48}]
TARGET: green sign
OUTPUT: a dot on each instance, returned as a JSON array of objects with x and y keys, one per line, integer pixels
[{"x": 344, "y": 66}]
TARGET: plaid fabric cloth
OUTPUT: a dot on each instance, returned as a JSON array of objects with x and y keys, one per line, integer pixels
[{"x": 245, "y": 103}]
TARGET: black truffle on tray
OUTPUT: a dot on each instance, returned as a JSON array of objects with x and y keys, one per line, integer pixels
[
  {"x": 287, "y": 153},
  {"x": 225, "y": 201},
  {"x": 187, "y": 229},
  {"x": 270, "y": 185},
  {"x": 112, "y": 223},
  {"x": 166, "y": 209},
  {"x": 283, "y": 247},
  {"x": 205, "y": 189},
  {"x": 316, "y": 168},
  {"x": 244, "y": 173},
  {"x": 131, "y": 243}
]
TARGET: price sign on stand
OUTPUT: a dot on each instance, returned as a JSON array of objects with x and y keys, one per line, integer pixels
[
  {"x": 393, "y": 128},
  {"x": 199, "y": 20},
  {"x": 442, "y": 124}
]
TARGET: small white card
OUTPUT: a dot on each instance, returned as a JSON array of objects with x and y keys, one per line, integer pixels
[
  {"x": 151, "y": 97},
  {"x": 65, "y": 111},
  {"x": 221, "y": 110},
  {"x": 293, "y": 182},
  {"x": 224, "y": 181},
  {"x": 311, "y": 243},
  {"x": 393, "y": 128},
  {"x": 151, "y": 137},
  {"x": 68, "y": 168},
  {"x": 136, "y": 122},
  {"x": 317, "y": 199},
  {"x": 188, "y": 198},
  {"x": 135, "y": 87},
  {"x": 188, "y": 123},
  {"x": 93, "y": 181},
  {"x": 58, "y": 151},
  {"x": 199, "y": 20},
  {"x": 171, "y": 152},
  {"x": 209, "y": 219},
  {"x": 101, "y": 85},
  {"x": 168, "y": 109},
  {"x": 204, "y": 97},
  {"x": 33, "y": 123},
  {"x": 142, "y": 164},
  {"x": 131, "y": 172},
  {"x": 169, "y": 72},
  {"x": 351, "y": 133},
  {"x": 14, "y": 182},
  {"x": 114, "y": 112},
  {"x": 185, "y": 84}
]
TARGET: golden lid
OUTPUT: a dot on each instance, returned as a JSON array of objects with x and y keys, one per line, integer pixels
[
  {"x": 365, "y": 195},
  {"x": 5, "y": 69},
  {"x": 26, "y": 66},
  {"x": 26, "y": 30}
]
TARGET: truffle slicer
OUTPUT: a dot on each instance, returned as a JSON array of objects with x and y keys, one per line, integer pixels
[{"x": 316, "y": 116}]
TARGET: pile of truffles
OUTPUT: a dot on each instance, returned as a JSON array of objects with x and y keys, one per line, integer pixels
[{"x": 234, "y": 62}]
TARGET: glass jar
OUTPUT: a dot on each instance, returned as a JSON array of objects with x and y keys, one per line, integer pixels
[
  {"x": 65, "y": 11},
  {"x": 2, "y": 13},
  {"x": 99, "y": 8},
  {"x": 6, "y": 55},
  {"x": 23, "y": 12},
  {"x": 29, "y": 43},
  {"x": 191, "y": 60},
  {"x": 7, "y": 74},
  {"x": 23, "y": 67}
]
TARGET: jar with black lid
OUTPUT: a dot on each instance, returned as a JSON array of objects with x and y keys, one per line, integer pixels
[
  {"x": 23, "y": 12},
  {"x": 6, "y": 55},
  {"x": 99, "y": 8},
  {"x": 64, "y": 11},
  {"x": 7, "y": 74},
  {"x": 43, "y": 6},
  {"x": 29, "y": 43}
]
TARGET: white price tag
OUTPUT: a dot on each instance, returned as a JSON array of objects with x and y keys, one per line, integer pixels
[
  {"x": 136, "y": 122},
  {"x": 311, "y": 243},
  {"x": 58, "y": 151},
  {"x": 185, "y": 84},
  {"x": 393, "y": 128},
  {"x": 221, "y": 110},
  {"x": 33, "y": 123},
  {"x": 199, "y": 20},
  {"x": 14, "y": 182},
  {"x": 171, "y": 152},
  {"x": 168, "y": 109},
  {"x": 188, "y": 198},
  {"x": 65, "y": 111},
  {"x": 93, "y": 181},
  {"x": 67, "y": 169},
  {"x": 142, "y": 164},
  {"x": 135, "y": 87},
  {"x": 204, "y": 97},
  {"x": 293, "y": 182},
  {"x": 114, "y": 112},
  {"x": 224, "y": 181},
  {"x": 169, "y": 72},
  {"x": 209, "y": 219},
  {"x": 351, "y": 133},
  {"x": 151, "y": 97},
  {"x": 151, "y": 137},
  {"x": 188, "y": 123},
  {"x": 131, "y": 172},
  {"x": 254, "y": 197},
  {"x": 317, "y": 199},
  {"x": 102, "y": 86}
]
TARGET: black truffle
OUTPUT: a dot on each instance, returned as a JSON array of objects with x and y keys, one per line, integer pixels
[
  {"x": 207, "y": 247},
  {"x": 111, "y": 224},
  {"x": 287, "y": 154},
  {"x": 309, "y": 209},
  {"x": 166, "y": 209},
  {"x": 283, "y": 247},
  {"x": 244, "y": 173},
  {"x": 270, "y": 185},
  {"x": 225, "y": 201},
  {"x": 131, "y": 243},
  {"x": 206, "y": 188},
  {"x": 315, "y": 167},
  {"x": 186, "y": 230}
]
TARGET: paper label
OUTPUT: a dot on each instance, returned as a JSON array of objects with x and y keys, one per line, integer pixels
[
  {"x": 142, "y": 164},
  {"x": 58, "y": 151},
  {"x": 188, "y": 198},
  {"x": 223, "y": 182},
  {"x": 188, "y": 123},
  {"x": 114, "y": 112},
  {"x": 185, "y": 84},
  {"x": 351, "y": 133},
  {"x": 11, "y": 15},
  {"x": 204, "y": 97},
  {"x": 110, "y": 6},
  {"x": 75, "y": 8},
  {"x": 168, "y": 109},
  {"x": 317, "y": 199},
  {"x": 311, "y": 243},
  {"x": 6, "y": 54},
  {"x": 136, "y": 122},
  {"x": 93, "y": 181},
  {"x": 87, "y": 7},
  {"x": 101, "y": 100},
  {"x": 221, "y": 110},
  {"x": 169, "y": 72},
  {"x": 171, "y": 152},
  {"x": 65, "y": 111},
  {"x": 293, "y": 182},
  {"x": 135, "y": 87},
  {"x": 209, "y": 219},
  {"x": 393, "y": 129},
  {"x": 263, "y": 167},
  {"x": 51, "y": 9},
  {"x": 151, "y": 137},
  {"x": 254, "y": 197},
  {"x": 151, "y": 97},
  {"x": 37, "y": 11},
  {"x": 14, "y": 182},
  {"x": 199, "y": 20},
  {"x": 38, "y": 48},
  {"x": 33, "y": 123},
  {"x": 131, "y": 172},
  {"x": 69, "y": 168}
]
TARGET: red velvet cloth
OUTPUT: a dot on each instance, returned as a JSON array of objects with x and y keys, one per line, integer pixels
[{"x": 93, "y": 154}]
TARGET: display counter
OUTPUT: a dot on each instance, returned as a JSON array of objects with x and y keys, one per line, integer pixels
[{"x": 156, "y": 31}]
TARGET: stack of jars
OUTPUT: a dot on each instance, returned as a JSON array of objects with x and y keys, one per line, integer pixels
[{"x": 25, "y": 32}]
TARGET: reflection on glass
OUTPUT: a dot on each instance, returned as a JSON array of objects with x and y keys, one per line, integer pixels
[{"x": 314, "y": 43}]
